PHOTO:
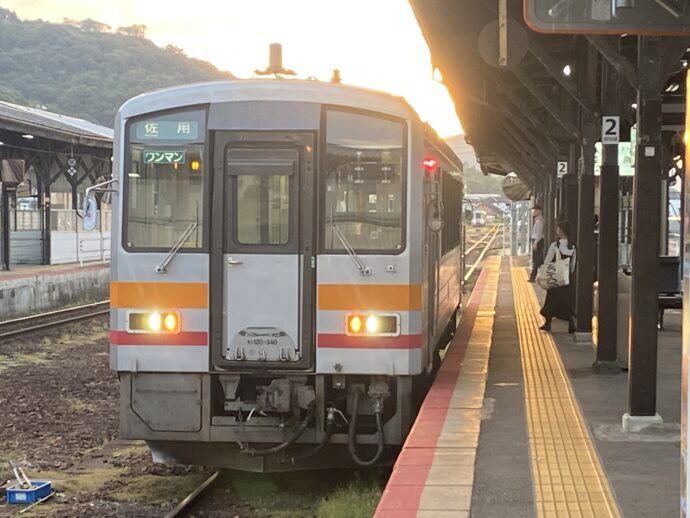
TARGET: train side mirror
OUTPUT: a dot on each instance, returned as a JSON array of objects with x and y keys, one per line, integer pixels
[
  {"x": 90, "y": 213},
  {"x": 90, "y": 216},
  {"x": 435, "y": 216}
]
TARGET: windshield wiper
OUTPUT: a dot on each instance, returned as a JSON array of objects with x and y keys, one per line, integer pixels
[
  {"x": 163, "y": 267},
  {"x": 363, "y": 269}
]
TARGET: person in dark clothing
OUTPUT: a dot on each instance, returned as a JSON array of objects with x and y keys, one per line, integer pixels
[
  {"x": 560, "y": 301},
  {"x": 537, "y": 242}
]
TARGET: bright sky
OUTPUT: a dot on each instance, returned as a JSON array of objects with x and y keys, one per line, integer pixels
[{"x": 374, "y": 43}]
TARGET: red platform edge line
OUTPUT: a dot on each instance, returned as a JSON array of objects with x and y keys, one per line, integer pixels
[{"x": 403, "y": 492}]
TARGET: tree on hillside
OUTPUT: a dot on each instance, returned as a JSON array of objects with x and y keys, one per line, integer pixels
[
  {"x": 479, "y": 183},
  {"x": 138, "y": 31},
  {"x": 12, "y": 96},
  {"x": 175, "y": 50},
  {"x": 87, "y": 71},
  {"x": 6, "y": 14},
  {"x": 90, "y": 25}
]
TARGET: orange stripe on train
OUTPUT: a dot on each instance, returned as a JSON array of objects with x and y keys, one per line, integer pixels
[
  {"x": 159, "y": 295},
  {"x": 382, "y": 297}
]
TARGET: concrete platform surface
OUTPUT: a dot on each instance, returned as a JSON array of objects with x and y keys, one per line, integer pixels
[{"x": 518, "y": 424}]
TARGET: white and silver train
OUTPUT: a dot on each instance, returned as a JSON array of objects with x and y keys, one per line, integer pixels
[{"x": 286, "y": 262}]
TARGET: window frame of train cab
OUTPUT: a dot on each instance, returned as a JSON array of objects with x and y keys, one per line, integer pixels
[
  {"x": 231, "y": 239},
  {"x": 322, "y": 182},
  {"x": 199, "y": 114}
]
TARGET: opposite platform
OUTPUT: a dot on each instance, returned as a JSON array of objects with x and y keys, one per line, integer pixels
[{"x": 32, "y": 289}]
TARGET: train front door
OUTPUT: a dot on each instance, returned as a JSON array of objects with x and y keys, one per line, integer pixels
[{"x": 264, "y": 260}]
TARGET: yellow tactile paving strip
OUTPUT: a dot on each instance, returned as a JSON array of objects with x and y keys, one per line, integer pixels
[{"x": 567, "y": 473}]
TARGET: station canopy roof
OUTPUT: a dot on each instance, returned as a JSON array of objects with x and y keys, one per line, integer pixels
[
  {"x": 525, "y": 117},
  {"x": 53, "y": 126}
]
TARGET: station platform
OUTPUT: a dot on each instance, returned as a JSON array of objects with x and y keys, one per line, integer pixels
[
  {"x": 517, "y": 424},
  {"x": 29, "y": 289}
]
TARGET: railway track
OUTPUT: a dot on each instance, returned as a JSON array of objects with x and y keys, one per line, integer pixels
[
  {"x": 181, "y": 508},
  {"x": 32, "y": 323},
  {"x": 487, "y": 240}
]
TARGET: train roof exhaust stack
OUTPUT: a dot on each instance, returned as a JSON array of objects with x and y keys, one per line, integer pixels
[{"x": 275, "y": 63}]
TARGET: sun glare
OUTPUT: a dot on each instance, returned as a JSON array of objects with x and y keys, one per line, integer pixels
[{"x": 374, "y": 44}]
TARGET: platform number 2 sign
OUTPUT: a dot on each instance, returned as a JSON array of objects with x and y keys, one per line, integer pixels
[
  {"x": 562, "y": 168},
  {"x": 610, "y": 130}
]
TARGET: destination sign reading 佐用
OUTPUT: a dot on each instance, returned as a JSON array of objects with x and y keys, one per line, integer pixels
[
  {"x": 167, "y": 130},
  {"x": 164, "y": 157}
]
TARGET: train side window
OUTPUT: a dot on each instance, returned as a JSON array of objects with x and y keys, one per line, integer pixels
[
  {"x": 452, "y": 194},
  {"x": 364, "y": 189}
]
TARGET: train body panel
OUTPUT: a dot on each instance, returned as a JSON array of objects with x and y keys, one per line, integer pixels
[{"x": 279, "y": 259}]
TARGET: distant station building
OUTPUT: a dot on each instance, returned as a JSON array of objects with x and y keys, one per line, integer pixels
[{"x": 47, "y": 162}]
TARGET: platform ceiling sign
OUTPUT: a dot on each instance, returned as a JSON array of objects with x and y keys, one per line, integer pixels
[
  {"x": 562, "y": 169},
  {"x": 652, "y": 17},
  {"x": 610, "y": 129}
]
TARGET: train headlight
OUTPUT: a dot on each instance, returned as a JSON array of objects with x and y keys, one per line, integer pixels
[
  {"x": 141, "y": 321},
  {"x": 378, "y": 324},
  {"x": 354, "y": 324},
  {"x": 155, "y": 321},
  {"x": 170, "y": 322},
  {"x": 372, "y": 324}
]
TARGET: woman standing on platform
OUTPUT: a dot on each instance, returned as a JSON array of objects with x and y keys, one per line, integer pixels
[{"x": 560, "y": 301}]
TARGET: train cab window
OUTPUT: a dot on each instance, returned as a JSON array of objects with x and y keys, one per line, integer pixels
[
  {"x": 164, "y": 179},
  {"x": 364, "y": 198},
  {"x": 261, "y": 180}
]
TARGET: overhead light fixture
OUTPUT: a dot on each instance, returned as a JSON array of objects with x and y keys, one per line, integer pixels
[
  {"x": 673, "y": 87},
  {"x": 634, "y": 106},
  {"x": 2, "y": 143},
  {"x": 567, "y": 70},
  {"x": 134, "y": 175},
  {"x": 27, "y": 136}
]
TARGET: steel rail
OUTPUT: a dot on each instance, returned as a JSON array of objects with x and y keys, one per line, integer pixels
[
  {"x": 192, "y": 496},
  {"x": 475, "y": 245},
  {"x": 94, "y": 312},
  {"x": 496, "y": 231}
]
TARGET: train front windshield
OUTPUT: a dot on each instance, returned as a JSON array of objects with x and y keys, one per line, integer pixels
[
  {"x": 164, "y": 181},
  {"x": 365, "y": 187}
]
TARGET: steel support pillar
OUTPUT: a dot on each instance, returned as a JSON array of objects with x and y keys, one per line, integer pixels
[
  {"x": 5, "y": 217},
  {"x": 607, "y": 303},
  {"x": 514, "y": 228},
  {"x": 663, "y": 213},
  {"x": 549, "y": 211},
  {"x": 585, "y": 232},
  {"x": 645, "y": 250},
  {"x": 45, "y": 221},
  {"x": 572, "y": 203},
  {"x": 607, "y": 257}
]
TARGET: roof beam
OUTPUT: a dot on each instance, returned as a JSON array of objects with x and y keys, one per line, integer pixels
[
  {"x": 547, "y": 103},
  {"x": 523, "y": 152},
  {"x": 543, "y": 56},
  {"x": 622, "y": 64},
  {"x": 516, "y": 131},
  {"x": 520, "y": 166}
]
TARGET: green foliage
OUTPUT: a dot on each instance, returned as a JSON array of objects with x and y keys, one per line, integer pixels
[
  {"x": 84, "y": 70},
  {"x": 358, "y": 499},
  {"x": 478, "y": 183}
]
